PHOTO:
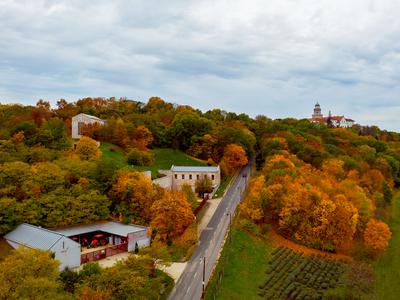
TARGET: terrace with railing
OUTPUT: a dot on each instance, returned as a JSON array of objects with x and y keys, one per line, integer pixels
[{"x": 103, "y": 252}]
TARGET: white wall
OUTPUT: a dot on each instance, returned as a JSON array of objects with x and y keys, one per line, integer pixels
[
  {"x": 67, "y": 252},
  {"x": 140, "y": 237},
  {"x": 84, "y": 119}
]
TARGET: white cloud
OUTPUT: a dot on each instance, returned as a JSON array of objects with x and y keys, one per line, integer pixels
[{"x": 273, "y": 57}]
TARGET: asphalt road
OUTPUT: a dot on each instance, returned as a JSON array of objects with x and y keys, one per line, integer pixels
[{"x": 204, "y": 259}]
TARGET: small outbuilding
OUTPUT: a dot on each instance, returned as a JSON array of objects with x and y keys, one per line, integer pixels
[
  {"x": 80, "y": 120},
  {"x": 76, "y": 245}
]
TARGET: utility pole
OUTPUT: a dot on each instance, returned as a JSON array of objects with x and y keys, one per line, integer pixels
[{"x": 204, "y": 277}]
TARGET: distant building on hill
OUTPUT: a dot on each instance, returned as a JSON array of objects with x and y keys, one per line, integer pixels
[
  {"x": 333, "y": 121},
  {"x": 80, "y": 120}
]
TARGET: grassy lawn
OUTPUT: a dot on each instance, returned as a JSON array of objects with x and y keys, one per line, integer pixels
[
  {"x": 246, "y": 260},
  {"x": 221, "y": 189},
  {"x": 163, "y": 158},
  {"x": 387, "y": 268},
  {"x": 117, "y": 156}
]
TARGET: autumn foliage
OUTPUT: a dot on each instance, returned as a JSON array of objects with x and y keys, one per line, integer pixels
[
  {"x": 87, "y": 149},
  {"x": 172, "y": 214},
  {"x": 255, "y": 203},
  {"x": 135, "y": 194},
  {"x": 143, "y": 137},
  {"x": 319, "y": 208},
  {"x": 234, "y": 158},
  {"x": 377, "y": 235}
]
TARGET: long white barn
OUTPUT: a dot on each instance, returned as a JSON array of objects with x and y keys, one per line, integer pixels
[{"x": 70, "y": 245}]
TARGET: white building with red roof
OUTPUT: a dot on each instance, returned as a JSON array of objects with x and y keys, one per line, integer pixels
[{"x": 334, "y": 121}]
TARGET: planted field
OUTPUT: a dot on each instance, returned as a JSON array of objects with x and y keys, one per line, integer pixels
[{"x": 292, "y": 275}]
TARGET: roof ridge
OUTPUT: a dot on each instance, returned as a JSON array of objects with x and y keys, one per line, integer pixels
[{"x": 42, "y": 228}]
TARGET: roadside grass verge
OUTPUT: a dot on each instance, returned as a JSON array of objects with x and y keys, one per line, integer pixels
[
  {"x": 202, "y": 212},
  {"x": 243, "y": 261},
  {"x": 221, "y": 189},
  {"x": 387, "y": 268},
  {"x": 168, "y": 283}
]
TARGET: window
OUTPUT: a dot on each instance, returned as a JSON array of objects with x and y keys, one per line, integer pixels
[
  {"x": 212, "y": 177},
  {"x": 190, "y": 176},
  {"x": 197, "y": 176},
  {"x": 176, "y": 176},
  {"x": 183, "y": 176}
]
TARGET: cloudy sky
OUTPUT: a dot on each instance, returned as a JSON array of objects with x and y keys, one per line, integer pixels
[{"x": 271, "y": 57}]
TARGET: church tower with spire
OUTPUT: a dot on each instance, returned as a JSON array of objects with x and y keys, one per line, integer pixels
[{"x": 317, "y": 111}]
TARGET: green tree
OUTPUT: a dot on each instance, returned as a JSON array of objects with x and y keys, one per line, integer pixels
[
  {"x": 30, "y": 274},
  {"x": 10, "y": 215},
  {"x": 187, "y": 128},
  {"x": 387, "y": 193},
  {"x": 203, "y": 185}
]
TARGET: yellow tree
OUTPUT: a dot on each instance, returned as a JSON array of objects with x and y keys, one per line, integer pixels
[
  {"x": 377, "y": 235},
  {"x": 87, "y": 149},
  {"x": 135, "y": 193},
  {"x": 255, "y": 202},
  {"x": 234, "y": 158},
  {"x": 171, "y": 215},
  {"x": 29, "y": 274}
]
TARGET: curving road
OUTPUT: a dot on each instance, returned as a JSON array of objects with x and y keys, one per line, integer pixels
[{"x": 204, "y": 259}]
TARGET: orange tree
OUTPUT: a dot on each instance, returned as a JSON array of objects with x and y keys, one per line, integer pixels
[
  {"x": 234, "y": 158},
  {"x": 171, "y": 215},
  {"x": 134, "y": 194},
  {"x": 377, "y": 235}
]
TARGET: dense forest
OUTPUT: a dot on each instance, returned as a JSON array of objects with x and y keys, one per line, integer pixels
[
  {"x": 323, "y": 187},
  {"x": 43, "y": 181}
]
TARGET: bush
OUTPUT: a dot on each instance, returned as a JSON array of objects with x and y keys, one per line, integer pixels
[
  {"x": 90, "y": 269},
  {"x": 140, "y": 158}
]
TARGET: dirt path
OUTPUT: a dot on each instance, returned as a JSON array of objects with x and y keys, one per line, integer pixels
[
  {"x": 279, "y": 240},
  {"x": 174, "y": 270}
]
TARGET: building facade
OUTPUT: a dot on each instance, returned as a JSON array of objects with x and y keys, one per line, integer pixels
[
  {"x": 80, "y": 120},
  {"x": 181, "y": 175}
]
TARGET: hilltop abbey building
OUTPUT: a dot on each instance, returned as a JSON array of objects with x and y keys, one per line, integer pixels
[{"x": 334, "y": 121}]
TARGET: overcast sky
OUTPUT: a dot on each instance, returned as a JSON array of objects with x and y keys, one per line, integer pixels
[{"x": 271, "y": 57}]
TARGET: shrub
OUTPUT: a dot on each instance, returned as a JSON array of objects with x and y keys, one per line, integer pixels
[{"x": 139, "y": 158}]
